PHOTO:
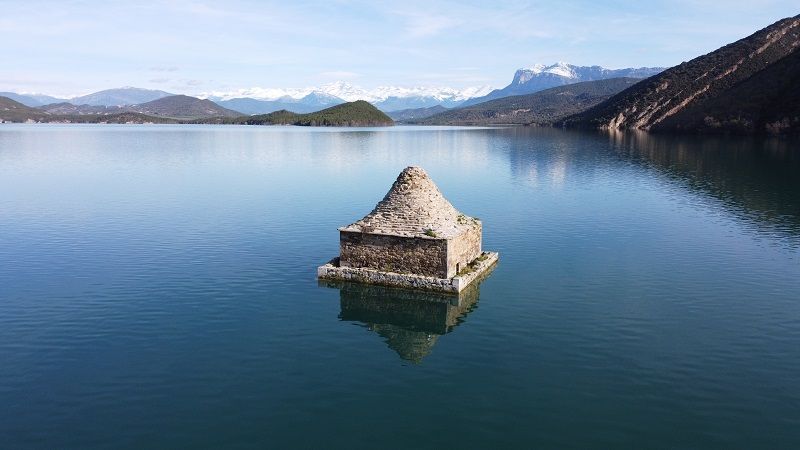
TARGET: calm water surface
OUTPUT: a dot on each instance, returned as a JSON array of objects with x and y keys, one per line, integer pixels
[{"x": 157, "y": 290}]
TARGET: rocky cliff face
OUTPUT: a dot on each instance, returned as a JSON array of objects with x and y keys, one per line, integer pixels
[
  {"x": 540, "y": 77},
  {"x": 659, "y": 102}
]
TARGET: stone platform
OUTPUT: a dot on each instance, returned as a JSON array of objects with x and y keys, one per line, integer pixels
[{"x": 481, "y": 265}]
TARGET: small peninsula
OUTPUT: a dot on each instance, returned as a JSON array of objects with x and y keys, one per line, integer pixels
[{"x": 353, "y": 114}]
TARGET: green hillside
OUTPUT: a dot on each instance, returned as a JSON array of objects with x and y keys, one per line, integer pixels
[{"x": 352, "y": 114}]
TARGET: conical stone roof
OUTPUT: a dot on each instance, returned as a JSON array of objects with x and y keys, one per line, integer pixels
[{"x": 414, "y": 207}]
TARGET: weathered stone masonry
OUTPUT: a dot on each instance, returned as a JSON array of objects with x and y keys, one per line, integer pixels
[
  {"x": 463, "y": 249},
  {"x": 414, "y": 237},
  {"x": 422, "y": 256}
]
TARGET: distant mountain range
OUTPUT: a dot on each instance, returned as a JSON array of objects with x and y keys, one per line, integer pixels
[
  {"x": 540, "y": 77},
  {"x": 390, "y": 98},
  {"x": 314, "y": 101},
  {"x": 173, "y": 106},
  {"x": 185, "y": 109},
  {"x": 166, "y": 109},
  {"x": 120, "y": 97},
  {"x": 386, "y": 98},
  {"x": 31, "y": 99},
  {"x": 749, "y": 86},
  {"x": 109, "y": 97},
  {"x": 540, "y": 108}
]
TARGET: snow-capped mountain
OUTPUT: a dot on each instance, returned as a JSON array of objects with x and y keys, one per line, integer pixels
[
  {"x": 579, "y": 73},
  {"x": 350, "y": 93},
  {"x": 560, "y": 68},
  {"x": 540, "y": 76},
  {"x": 388, "y": 98}
]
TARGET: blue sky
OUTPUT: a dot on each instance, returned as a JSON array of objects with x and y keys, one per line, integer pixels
[{"x": 185, "y": 46}]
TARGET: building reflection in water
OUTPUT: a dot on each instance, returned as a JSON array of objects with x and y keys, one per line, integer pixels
[{"x": 409, "y": 321}]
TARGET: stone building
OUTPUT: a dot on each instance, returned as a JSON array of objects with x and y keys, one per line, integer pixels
[
  {"x": 414, "y": 237},
  {"x": 414, "y": 229}
]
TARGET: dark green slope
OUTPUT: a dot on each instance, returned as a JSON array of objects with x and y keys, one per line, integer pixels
[
  {"x": 353, "y": 114},
  {"x": 540, "y": 108}
]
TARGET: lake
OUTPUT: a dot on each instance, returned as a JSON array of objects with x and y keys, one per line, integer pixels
[{"x": 158, "y": 290}]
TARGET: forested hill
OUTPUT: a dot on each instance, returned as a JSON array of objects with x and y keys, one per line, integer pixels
[{"x": 352, "y": 114}]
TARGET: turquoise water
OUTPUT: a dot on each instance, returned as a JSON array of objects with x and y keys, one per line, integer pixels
[{"x": 157, "y": 289}]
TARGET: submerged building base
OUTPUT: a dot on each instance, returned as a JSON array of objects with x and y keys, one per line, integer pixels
[{"x": 478, "y": 267}]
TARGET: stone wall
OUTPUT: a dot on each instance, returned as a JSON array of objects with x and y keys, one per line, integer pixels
[
  {"x": 463, "y": 249},
  {"x": 484, "y": 264},
  {"x": 415, "y": 255},
  {"x": 333, "y": 271}
]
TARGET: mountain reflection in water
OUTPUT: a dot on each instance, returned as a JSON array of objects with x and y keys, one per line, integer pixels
[{"x": 752, "y": 177}]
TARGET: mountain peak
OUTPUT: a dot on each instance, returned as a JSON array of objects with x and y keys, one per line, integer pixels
[
  {"x": 540, "y": 76},
  {"x": 560, "y": 68}
]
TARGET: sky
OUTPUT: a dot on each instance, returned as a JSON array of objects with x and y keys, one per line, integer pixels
[{"x": 68, "y": 48}]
